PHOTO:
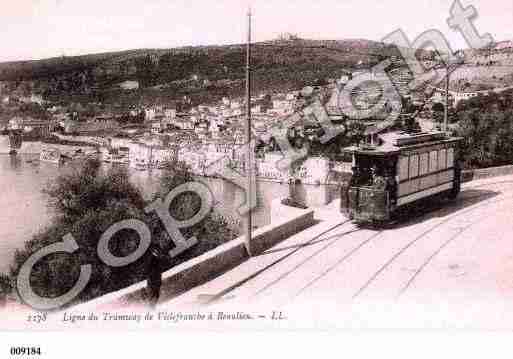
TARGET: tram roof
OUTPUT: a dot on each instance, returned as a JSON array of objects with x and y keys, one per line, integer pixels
[{"x": 395, "y": 142}]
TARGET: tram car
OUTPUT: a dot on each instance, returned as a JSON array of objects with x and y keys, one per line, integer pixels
[{"x": 402, "y": 170}]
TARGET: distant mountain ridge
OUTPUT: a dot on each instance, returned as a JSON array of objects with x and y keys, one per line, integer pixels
[
  {"x": 129, "y": 63},
  {"x": 276, "y": 64}
]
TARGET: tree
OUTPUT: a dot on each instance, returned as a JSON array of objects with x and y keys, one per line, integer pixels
[
  {"x": 86, "y": 203},
  {"x": 485, "y": 124},
  {"x": 88, "y": 188},
  {"x": 438, "y": 107},
  {"x": 5, "y": 288},
  {"x": 211, "y": 232}
]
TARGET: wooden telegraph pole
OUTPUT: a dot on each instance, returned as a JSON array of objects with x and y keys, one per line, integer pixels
[
  {"x": 249, "y": 149},
  {"x": 446, "y": 111}
]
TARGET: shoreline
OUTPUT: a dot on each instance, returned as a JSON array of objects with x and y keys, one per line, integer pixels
[{"x": 35, "y": 147}]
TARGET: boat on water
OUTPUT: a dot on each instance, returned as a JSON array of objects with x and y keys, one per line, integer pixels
[{"x": 51, "y": 155}]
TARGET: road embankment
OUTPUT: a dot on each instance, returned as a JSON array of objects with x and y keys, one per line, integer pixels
[
  {"x": 211, "y": 264},
  {"x": 482, "y": 173}
]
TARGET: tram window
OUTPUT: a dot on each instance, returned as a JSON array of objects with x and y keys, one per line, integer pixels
[
  {"x": 442, "y": 159},
  {"x": 433, "y": 161},
  {"x": 424, "y": 164},
  {"x": 450, "y": 157},
  {"x": 403, "y": 168},
  {"x": 414, "y": 166}
]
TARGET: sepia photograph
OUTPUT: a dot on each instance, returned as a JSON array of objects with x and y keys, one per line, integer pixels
[{"x": 255, "y": 165}]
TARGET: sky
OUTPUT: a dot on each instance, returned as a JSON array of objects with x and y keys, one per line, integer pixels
[{"x": 34, "y": 29}]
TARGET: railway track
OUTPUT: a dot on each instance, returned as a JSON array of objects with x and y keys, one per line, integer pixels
[
  {"x": 452, "y": 238},
  {"x": 307, "y": 259},
  {"x": 435, "y": 253},
  {"x": 424, "y": 234},
  {"x": 343, "y": 259},
  {"x": 374, "y": 235},
  {"x": 359, "y": 247},
  {"x": 240, "y": 283}
]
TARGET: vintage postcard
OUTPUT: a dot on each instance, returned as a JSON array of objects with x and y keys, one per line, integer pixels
[{"x": 263, "y": 165}]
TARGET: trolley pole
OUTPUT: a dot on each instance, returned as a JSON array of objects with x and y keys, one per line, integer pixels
[
  {"x": 249, "y": 149},
  {"x": 446, "y": 110}
]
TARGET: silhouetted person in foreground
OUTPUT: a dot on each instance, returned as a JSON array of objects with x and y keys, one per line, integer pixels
[{"x": 154, "y": 274}]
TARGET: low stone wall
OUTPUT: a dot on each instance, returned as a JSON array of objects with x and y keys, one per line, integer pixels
[
  {"x": 209, "y": 265},
  {"x": 472, "y": 175},
  {"x": 315, "y": 195}
]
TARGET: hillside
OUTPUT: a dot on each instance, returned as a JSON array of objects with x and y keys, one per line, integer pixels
[
  {"x": 120, "y": 62},
  {"x": 485, "y": 69},
  {"x": 168, "y": 73},
  {"x": 209, "y": 72}
]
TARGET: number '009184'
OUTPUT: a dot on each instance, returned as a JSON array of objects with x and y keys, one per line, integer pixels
[{"x": 25, "y": 351}]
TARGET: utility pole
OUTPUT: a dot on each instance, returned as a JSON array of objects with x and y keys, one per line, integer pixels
[
  {"x": 446, "y": 111},
  {"x": 249, "y": 149}
]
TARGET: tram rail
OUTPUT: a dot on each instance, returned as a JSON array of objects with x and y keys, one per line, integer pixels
[{"x": 410, "y": 244}]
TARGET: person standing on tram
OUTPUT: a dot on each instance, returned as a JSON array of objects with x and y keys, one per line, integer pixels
[{"x": 379, "y": 182}]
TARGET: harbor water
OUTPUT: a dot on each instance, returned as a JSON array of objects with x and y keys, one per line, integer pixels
[{"x": 24, "y": 209}]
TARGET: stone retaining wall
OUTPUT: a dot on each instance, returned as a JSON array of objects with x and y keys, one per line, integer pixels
[
  {"x": 209, "y": 265},
  {"x": 472, "y": 175}
]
